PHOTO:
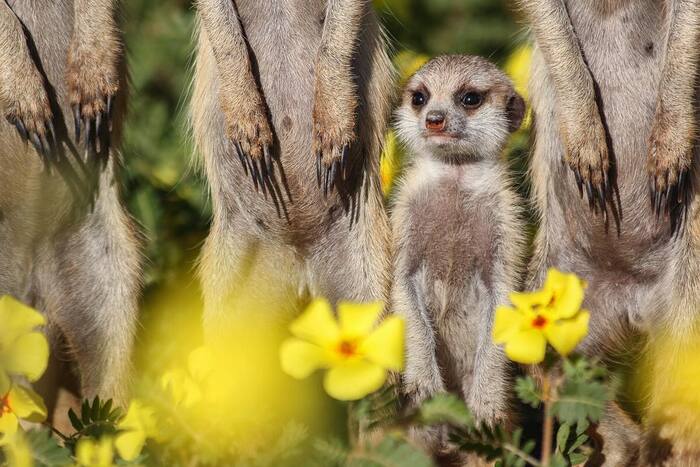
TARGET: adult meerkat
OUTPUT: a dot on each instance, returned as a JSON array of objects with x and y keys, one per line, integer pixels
[
  {"x": 67, "y": 247},
  {"x": 615, "y": 95},
  {"x": 289, "y": 108},
  {"x": 458, "y": 232}
]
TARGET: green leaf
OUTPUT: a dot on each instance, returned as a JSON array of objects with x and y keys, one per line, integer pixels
[
  {"x": 391, "y": 452},
  {"x": 528, "y": 392},
  {"x": 74, "y": 420},
  {"x": 563, "y": 436},
  {"x": 579, "y": 402},
  {"x": 85, "y": 412},
  {"x": 445, "y": 408},
  {"x": 46, "y": 451}
]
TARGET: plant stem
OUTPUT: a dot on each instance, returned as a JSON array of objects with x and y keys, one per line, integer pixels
[{"x": 548, "y": 427}]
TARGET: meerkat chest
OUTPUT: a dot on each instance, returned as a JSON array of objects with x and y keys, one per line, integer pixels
[{"x": 451, "y": 231}]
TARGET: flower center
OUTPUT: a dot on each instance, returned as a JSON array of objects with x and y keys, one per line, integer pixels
[
  {"x": 347, "y": 348},
  {"x": 5, "y": 404},
  {"x": 539, "y": 322}
]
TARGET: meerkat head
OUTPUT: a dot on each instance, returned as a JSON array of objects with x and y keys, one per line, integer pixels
[{"x": 459, "y": 108}]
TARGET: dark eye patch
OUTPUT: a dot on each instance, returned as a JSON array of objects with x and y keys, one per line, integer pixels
[{"x": 472, "y": 99}]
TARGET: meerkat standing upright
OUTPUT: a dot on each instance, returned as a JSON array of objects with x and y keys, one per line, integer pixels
[
  {"x": 67, "y": 247},
  {"x": 289, "y": 109},
  {"x": 615, "y": 92},
  {"x": 459, "y": 237}
]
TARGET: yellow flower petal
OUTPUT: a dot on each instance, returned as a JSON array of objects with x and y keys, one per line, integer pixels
[
  {"x": 129, "y": 444},
  {"x": 8, "y": 427},
  {"x": 354, "y": 380},
  {"x": 317, "y": 324},
  {"x": 18, "y": 452},
  {"x": 200, "y": 363},
  {"x": 27, "y": 404},
  {"x": 90, "y": 453},
  {"x": 527, "y": 346},
  {"x": 27, "y": 355},
  {"x": 564, "y": 335},
  {"x": 530, "y": 300},
  {"x": 568, "y": 293},
  {"x": 385, "y": 346},
  {"x": 17, "y": 318},
  {"x": 507, "y": 323},
  {"x": 358, "y": 319},
  {"x": 5, "y": 382},
  {"x": 299, "y": 358}
]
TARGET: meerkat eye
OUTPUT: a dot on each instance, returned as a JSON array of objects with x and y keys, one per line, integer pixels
[
  {"x": 472, "y": 100},
  {"x": 418, "y": 99}
]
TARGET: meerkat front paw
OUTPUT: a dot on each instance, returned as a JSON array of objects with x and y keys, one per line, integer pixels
[
  {"x": 586, "y": 146},
  {"x": 333, "y": 132},
  {"x": 668, "y": 163},
  {"x": 93, "y": 82},
  {"x": 248, "y": 128},
  {"x": 29, "y": 110}
]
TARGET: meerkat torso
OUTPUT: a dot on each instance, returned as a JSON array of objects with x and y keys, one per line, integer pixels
[
  {"x": 624, "y": 45},
  {"x": 284, "y": 39},
  {"x": 450, "y": 223}
]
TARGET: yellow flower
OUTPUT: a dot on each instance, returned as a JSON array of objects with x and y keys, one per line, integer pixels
[
  {"x": 185, "y": 386},
  {"x": 19, "y": 403},
  {"x": 91, "y": 453},
  {"x": 138, "y": 424},
  {"x": 518, "y": 68},
  {"x": 23, "y": 350},
  {"x": 18, "y": 452},
  {"x": 356, "y": 353},
  {"x": 552, "y": 314}
]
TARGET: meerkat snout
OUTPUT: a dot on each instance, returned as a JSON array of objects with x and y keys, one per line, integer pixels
[{"x": 460, "y": 108}]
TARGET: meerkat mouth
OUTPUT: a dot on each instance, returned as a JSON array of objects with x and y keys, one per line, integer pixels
[{"x": 441, "y": 137}]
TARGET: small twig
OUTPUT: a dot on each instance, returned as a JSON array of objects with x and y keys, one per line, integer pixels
[
  {"x": 548, "y": 427},
  {"x": 521, "y": 454}
]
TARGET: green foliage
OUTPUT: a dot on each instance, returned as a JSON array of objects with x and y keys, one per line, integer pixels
[
  {"x": 45, "y": 449},
  {"x": 391, "y": 451},
  {"x": 96, "y": 420},
  {"x": 445, "y": 408},
  {"x": 528, "y": 392},
  {"x": 584, "y": 393}
]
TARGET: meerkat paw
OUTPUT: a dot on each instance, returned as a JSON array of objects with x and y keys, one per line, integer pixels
[
  {"x": 251, "y": 136},
  {"x": 587, "y": 156},
  {"x": 29, "y": 111},
  {"x": 333, "y": 134},
  {"x": 668, "y": 163},
  {"x": 93, "y": 82}
]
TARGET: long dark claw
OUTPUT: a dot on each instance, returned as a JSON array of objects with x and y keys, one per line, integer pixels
[
  {"x": 267, "y": 152},
  {"x": 36, "y": 142},
  {"x": 344, "y": 162},
  {"x": 589, "y": 192},
  {"x": 319, "y": 159},
  {"x": 681, "y": 186},
  {"x": 21, "y": 129},
  {"x": 256, "y": 173},
  {"x": 45, "y": 146},
  {"x": 601, "y": 197},
  {"x": 109, "y": 113},
  {"x": 326, "y": 184},
  {"x": 76, "y": 122},
  {"x": 579, "y": 183},
  {"x": 52, "y": 134},
  {"x": 98, "y": 128},
  {"x": 241, "y": 158},
  {"x": 333, "y": 173}
]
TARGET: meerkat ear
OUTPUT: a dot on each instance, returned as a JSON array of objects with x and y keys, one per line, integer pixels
[{"x": 515, "y": 110}]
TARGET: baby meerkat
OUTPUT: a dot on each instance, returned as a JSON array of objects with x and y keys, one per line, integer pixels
[{"x": 458, "y": 231}]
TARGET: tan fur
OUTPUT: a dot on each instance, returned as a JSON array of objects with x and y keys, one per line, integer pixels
[
  {"x": 625, "y": 70},
  {"x": 67, "y": 246},
  {"x": 280, "y": 67},
  {"x": 459, "y": 237}
]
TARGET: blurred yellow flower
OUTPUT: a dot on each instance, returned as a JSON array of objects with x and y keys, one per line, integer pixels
[
  {"x": 19, "y": 403},
  {"x": 18, "y": 453},
  {"x": 91, "y": 453},
  {"x": 138, "y": 424},
  {"x": 185, "y": 385},
  {"x": 518, "y": 68},
  {"x": 390, "y": 163},
  {"x": 356, "y": 351},
  {"x": 552, "y": 314},
  {"x": 23, "y": 350}
]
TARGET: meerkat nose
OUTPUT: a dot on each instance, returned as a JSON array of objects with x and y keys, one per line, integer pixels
[{"x": 435, "y": 120}]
